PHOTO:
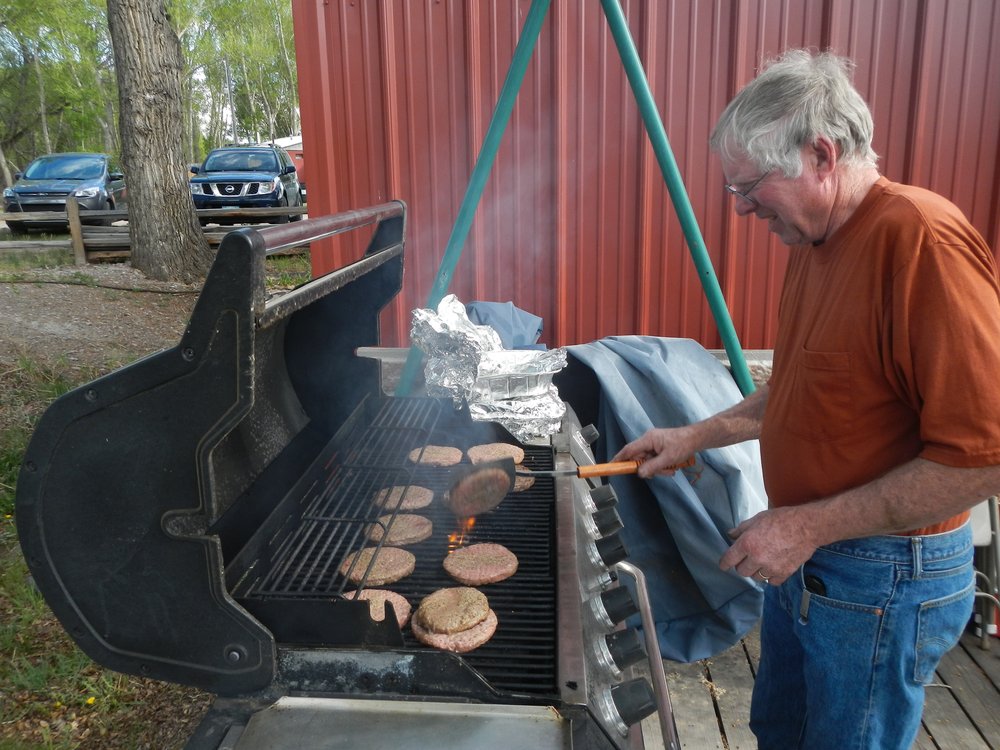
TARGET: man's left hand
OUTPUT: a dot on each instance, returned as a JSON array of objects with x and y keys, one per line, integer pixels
[{"x": 771, "y": 546}]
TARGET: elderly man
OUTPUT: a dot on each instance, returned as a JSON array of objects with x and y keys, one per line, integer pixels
[{"x": 879, "y": 428}]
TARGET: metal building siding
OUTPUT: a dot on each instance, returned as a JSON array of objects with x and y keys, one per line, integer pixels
[{"x": 575, "y": 223}]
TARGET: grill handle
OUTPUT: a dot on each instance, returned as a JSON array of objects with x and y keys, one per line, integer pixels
[{"x": 664, "y": 710}]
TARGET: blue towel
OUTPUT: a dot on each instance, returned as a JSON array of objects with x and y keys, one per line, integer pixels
[
  {"x": 675, "y": 527},
  {"x": 518, "y": 328}
]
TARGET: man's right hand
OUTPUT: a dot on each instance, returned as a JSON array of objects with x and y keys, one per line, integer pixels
[{"x": 659, "y": 450}]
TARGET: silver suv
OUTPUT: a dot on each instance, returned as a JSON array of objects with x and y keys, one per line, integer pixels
[{"x": 93, "y": 179}]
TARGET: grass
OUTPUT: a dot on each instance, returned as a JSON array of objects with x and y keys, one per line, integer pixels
[{"x": 288, "y": 271}]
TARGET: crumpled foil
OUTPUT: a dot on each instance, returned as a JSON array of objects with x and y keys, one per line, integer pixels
[{"x": 467, "y": 363}]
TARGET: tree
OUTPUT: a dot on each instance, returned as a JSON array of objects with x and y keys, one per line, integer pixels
[{"x": 167, "y": 241}]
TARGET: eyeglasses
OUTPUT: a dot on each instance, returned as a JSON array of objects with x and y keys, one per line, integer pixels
[{"x": 745, "y": 194}]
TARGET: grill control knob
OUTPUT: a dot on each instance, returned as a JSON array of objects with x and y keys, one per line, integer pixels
[
  {"x": 590, "y": 434},
  {"x": 611, "y": 549},
  {"x": 608, "y": 522},
  {"x": 626, "y": 647},
  {"x": 619, "y": 650},
  {"x": 604, "y": 497},
  {"x": 613, "y": 606},
  {"x": 634, "y": 700}
]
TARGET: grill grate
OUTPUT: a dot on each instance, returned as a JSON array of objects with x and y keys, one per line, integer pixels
[{"x": 336, "y": 509}]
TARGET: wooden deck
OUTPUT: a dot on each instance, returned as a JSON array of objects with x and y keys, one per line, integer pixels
[{"x": 711, "y": 700}]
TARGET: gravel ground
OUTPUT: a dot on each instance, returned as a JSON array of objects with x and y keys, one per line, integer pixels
[{"x": 92, "y": 316}]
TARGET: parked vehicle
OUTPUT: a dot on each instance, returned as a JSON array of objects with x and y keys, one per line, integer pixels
[
  {"x": 247, "y": 177},
  {"x": 93, "y": 179}
]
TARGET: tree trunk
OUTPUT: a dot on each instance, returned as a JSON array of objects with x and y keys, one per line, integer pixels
[
  {"x": 287, "y": 59},
  {"x": 167, "y": 241},
  {"x": 43, "y": 117},
  {"x": 8, "y": 178}
]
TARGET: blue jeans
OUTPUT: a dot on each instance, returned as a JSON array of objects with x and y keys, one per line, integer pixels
[{"x": 850, "y": 640}]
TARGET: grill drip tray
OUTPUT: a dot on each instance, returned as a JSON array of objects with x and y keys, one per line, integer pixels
[
  {"x": 368, "y": 723},
  {"x": 288, "y": 575}
]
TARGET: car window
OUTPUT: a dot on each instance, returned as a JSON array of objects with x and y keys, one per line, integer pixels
[
  {"x": 65, "y": 168},
  {"x": 240, "y": 161}
]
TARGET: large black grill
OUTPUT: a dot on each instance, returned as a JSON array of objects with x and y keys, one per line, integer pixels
[{"x": 187, "y": 518}]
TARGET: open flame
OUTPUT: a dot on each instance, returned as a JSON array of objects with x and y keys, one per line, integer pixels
[{"x": 456, "y": 538}]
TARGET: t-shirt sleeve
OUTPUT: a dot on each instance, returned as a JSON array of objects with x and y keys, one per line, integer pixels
[{"x": 946, "y": 345}]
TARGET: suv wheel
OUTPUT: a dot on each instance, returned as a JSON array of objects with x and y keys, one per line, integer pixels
[{"x": 282, "y": 218}]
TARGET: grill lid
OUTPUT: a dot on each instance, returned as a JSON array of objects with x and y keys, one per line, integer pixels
[{"x": 124, "y": 476}]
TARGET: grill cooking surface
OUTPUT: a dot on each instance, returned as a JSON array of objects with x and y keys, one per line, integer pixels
[{"x": 336, "y": 508}]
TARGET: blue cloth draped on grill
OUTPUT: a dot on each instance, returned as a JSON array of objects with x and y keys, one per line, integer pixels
[{"x": 675, "y": 527}]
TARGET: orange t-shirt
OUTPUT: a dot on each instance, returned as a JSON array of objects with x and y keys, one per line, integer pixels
[{"x": 888, "y": 349}]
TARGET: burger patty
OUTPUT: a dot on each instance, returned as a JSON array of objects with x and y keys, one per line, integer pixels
[
  {"x": 522, "y": 482},
  {"x": 461, "y": 642},
  {"x": 377, "y": 598},
  {"x": 480, "y": 454},
  {"x": 391, "y": 564},
  {"x": 435, "y": 455},
  {"x": 406, "y": 528},
  {"x": 479, "y": 564},
  {"x": 478, "y": 492},
  {"x": 452, "y": 610},
  {"x": 404, "y": 497}
]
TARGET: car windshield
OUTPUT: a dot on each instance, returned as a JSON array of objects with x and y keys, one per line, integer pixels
[
  {"x": 241, "y": 161},
  {"x": 81, "y": 167}
]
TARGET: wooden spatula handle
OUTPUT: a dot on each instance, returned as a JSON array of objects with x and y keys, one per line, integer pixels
[{"x": 622, "y": 467}]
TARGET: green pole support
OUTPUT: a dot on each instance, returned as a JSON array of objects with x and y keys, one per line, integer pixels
[
  {"x": 678, "y": 193},
  {"x": 484, "y": 163}
]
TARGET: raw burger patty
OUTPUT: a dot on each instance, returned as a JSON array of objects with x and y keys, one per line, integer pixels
[
  {"x": 406, "y": 498},
  {"x": 407, "y": 528},
  {"x": 483, "y": 563},
  {"x": 377, "y": 598},
  {"x": 391, "y": 564},
  {"x": 478, "y": 492},
  {"x": 452, "y": 610},
  {"x": 461, "y": 642},
  {"x": 480, "y": 454},
  {"x": 436, "y": 455}
]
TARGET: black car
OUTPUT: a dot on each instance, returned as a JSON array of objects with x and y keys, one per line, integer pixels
[
  {"x": 93, "y": 179},
  {"x": 246, "y": 177}
]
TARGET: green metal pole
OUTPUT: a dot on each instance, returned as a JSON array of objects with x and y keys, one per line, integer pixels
[
  {"x": 678, "y": 193},
  {"x": 477, "y": 182}
]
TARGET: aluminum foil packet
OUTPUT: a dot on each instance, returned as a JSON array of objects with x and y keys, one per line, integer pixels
[{"x": 467, "y": 363}]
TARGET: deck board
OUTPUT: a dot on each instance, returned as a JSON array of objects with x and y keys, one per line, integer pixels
[
  {"x": 711, "y": 700},
  {"x": 730, "y": 674},
  {"x": 973, "y": 691}
]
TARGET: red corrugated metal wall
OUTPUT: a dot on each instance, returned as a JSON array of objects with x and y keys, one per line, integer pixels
[{"x": 575, "y": 224}]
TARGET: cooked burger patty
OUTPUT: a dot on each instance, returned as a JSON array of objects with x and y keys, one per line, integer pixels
[
  {"x": 478, "y": 492},
  {"x": 391, "y": 564},
  {"x": 522, "y": 482},
  {"x": 479, "y": 564},
  {"x": 406, "y": 528},
  {"x": 404, "y": 497},
  {"x": 435, "y": 455},
  {"x": 461, "y": 642},
  {"x": 377, "y": 598},
  {"x": 480, "y": 454},
  {"x": 452, "y": 610}
]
